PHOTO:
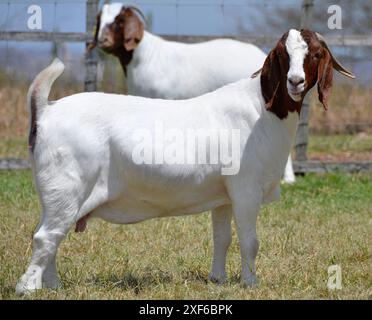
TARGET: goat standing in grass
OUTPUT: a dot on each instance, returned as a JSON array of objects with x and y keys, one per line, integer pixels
[
  {"x": 82, "y": 146},
  {"x": 156, "y": 68}
]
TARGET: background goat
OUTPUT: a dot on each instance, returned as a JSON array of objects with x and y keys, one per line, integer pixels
[
  {"x": 82, "y": 154},
  {"x": 156, "y": 68}
]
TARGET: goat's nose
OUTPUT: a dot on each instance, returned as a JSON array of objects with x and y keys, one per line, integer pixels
[{"x": 296, "y": 80}]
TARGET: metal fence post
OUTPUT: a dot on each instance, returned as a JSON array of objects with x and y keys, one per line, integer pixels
[
  {"x": 302, "y": 136},
  {"x": 91, "y": 58}
]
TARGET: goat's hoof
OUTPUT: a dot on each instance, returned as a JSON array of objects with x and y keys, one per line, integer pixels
[
  {"x": 30, "y": 281},
  {"x": 26, "y": 288},
  {"x": 217, "y": 278},
  {"x": 249, "y": 282}
]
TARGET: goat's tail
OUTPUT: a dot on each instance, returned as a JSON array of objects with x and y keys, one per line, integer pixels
[{"x": 38, "y": 93}]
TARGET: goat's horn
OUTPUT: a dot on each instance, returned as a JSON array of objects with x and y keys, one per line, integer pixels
[
  {"x": 138, "y": 10},
  {"x": 336, "y": 64},
  {"x": 255, "y": 74}
]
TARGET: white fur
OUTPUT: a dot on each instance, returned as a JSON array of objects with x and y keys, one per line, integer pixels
[
  {"x": 82, "y": 164},
  {"x": 173, "y": 70},
  {"x": 297, "y": 50},
  {"x": 108, "y": 14}
]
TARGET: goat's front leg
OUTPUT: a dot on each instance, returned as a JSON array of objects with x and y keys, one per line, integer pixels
[
  {"x": 221, "y": 220},
  {"x": 245, "y": 209}
]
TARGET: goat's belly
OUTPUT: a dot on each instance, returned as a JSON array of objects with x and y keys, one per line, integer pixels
[{"x": 127, "y": 210}]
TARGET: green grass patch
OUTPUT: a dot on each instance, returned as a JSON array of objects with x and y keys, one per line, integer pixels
[
  {"x": 320, "y": 221},
  {"x": 337, "y": 143}
]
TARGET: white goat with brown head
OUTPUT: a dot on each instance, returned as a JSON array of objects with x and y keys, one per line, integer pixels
[
  {"x": 85, "y": 147},
  {"x": 157, "y": 68}
]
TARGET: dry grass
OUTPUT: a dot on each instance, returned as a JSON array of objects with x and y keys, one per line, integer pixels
[
  {"x": 320, "y": 221},
  {"x": 342, "y": 147},
  {"x": 13, "y": 111},
  {"x": 349, "y": 111},
  {"x": 13, "y": 108}
]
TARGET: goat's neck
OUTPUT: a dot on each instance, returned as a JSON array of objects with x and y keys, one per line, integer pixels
[
  {"x": 284, "y": 115},
  {"x": 286, "y": 109},
  {"x": 144, "y": 53},
  {"x": 140, "y": 56},
  {"x": 290, "y": 123}
]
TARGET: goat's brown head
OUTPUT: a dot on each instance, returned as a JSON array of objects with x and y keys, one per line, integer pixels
[
  {"x": 119, "y": 29},
  {"x": 299, "y": 61}
]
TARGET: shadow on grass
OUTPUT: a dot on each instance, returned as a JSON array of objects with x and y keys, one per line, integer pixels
[{"x": 131, "y": 281}]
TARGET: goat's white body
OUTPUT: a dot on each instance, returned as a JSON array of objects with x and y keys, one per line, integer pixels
[
  {"x": 173, "y": 70},
  {"x": 95, "y": 141},
  {"x": 82, "y": 164}
]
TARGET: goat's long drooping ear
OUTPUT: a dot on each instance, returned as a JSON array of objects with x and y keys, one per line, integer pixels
[
  {"x": 270, "y": 78},
  {"x": 93, "y": 44},
  {"x": 336, "y": 64},
  {"x": 325, "y": 78},
  {"x": 133, "y": 29}
]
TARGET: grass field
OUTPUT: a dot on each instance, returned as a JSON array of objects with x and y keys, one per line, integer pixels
[{"x": 321, "y": 220}]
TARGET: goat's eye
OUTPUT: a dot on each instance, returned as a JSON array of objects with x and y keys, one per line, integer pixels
[
  {"x": 118, "y": 21},
  {"x": 317, "y": 55}
]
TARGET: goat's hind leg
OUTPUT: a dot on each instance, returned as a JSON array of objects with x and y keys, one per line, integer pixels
[{"x": 56, "y": 220}]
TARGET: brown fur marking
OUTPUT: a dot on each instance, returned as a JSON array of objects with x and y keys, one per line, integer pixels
[
  {"x": 317, "y": 67},
  {"x": 124, "y": 35},
  {"x": 33, "y": 124}
]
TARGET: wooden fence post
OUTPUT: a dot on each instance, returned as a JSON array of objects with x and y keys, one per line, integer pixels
[
  {"x": 91, "y": 58},
  {"x": 302, "y": 136}
]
